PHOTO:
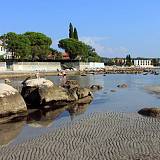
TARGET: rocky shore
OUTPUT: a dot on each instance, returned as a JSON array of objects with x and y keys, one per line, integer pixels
[{"x": 118, "y": 136}]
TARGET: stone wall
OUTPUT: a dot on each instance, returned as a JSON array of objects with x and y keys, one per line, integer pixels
[
  {"x": 34, "y": 66},
  {"x": 90, "y": 65}
]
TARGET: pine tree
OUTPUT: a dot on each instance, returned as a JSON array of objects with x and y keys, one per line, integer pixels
[
  {"x": 71, "y": 33},
  {"x": 75, "y": 34}
]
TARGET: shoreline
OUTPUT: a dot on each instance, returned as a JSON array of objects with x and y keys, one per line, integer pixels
[
  {"x": 99, "y": 135},
  {"x": 15, "y": 74}
]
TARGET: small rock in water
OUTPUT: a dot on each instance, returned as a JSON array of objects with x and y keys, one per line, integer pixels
[
  {"x": 152, "y": 112},
  {"x": 122, "y": 86},
  {"x": 112, "y": 90},
  {"x": 7, "y": 81},
  {"x": 95, "y": 87}
]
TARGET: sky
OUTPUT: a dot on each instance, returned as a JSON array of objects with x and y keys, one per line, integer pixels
[{"x": 114, "y": 28}]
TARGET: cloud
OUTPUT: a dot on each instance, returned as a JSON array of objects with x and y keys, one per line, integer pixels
[{"x": 99, "y": 44}]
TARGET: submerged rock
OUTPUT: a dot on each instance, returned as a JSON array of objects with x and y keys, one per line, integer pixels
[
  {"x": 152, "y": 112},
  {"x": 113, "y": 90},
  {"x": 96, "y": 87},
  {"x": 11, "y": 102},
  {"x": 122, "y": 86}
]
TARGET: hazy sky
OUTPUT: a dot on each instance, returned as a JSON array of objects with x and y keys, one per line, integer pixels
[{"x": 114, "y": 27}]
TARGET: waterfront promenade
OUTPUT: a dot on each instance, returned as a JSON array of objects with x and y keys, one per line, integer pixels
[{"x": 118, "y": 136}]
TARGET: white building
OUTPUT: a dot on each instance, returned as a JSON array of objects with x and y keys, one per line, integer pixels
[
  {"x": 4, "y": 52},
  {"x": 142, "y": 62}
]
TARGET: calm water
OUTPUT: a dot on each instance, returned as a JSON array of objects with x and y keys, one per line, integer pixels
[{"x": 130, "y": 99}]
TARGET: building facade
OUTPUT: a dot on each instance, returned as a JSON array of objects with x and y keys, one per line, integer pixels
[
  {"x": 4, "y": 53},
  {"x": 142, "y": 62}
]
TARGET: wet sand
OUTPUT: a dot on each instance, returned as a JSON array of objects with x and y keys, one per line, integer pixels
[
  {"x": 153, "y": 89},
  {"x": 115, "y": 136}
]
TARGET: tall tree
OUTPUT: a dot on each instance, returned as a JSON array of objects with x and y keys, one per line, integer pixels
[
  {"x": 71, "y": 34},
  {"x": 128, "y": 60},
  {"x": 78, "y": 50},
  {"x": 75, "y": 34},
  {"x": 40, "y": 44}
]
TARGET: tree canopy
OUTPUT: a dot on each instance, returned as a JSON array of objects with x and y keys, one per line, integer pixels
[
  {"x": 40, "y": 44},
  {"x": 78, "y": 50},
  {"x": 27, "y": 45}
]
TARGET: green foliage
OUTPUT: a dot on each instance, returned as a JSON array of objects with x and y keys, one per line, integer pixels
[
  {"x": 71, "y": 34},
  {"x": 17, "y": 44},
  {"x": 78, "y": 50},
  {"x": 40, "y": 44},
  {"x": 75, "y": 34},
  {"x": 28, "y": 45},
  {"x": 128, "y": 60}
]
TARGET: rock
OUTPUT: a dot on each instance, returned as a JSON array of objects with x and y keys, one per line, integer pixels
[
  {"x": 37, "y": 92},
  {"x": 85, "y": 100},
  {"x": 122, "y": 86},
  {"x": 84, "y": 92},
  {"x": 71, "y": 84},
  {"x": 152, "y": 112},
  {"x": 37, "y": 82},
  {"x": 7, "y": 81},
  {"x": 73, "y": 93},
  {"x": 41, "y": 92},
  {"x": 112, "y": 90},
  {"x": 95, "y": 87},
  {"x": 11, "y": 102}
]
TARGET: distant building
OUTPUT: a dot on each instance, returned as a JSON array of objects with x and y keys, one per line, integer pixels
[
  {"x": 119, "y": 61},
  {"x": 4, "y": 52},
  {"x": 142, "y": 62}
]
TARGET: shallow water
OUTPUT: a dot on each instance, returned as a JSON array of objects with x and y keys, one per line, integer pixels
[{"x": 129, "y": 99}]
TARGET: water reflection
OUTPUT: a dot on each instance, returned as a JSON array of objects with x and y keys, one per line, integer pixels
[
  {"x": 38, "y": 119},
  {"x": 10, "y": 131},
  {"x": 46, "y": 117},
  {"x": 77, "y": 110}
]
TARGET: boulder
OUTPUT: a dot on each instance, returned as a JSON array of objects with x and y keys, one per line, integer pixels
[
  {"x": 95, "y": 87},
  {"x": 85, "y": 100},
  {"x": 84, "y": 92},
  {"x": 7, "y": 81},
  {"x": 122, "y": 86},
  {"x": 70, "y": 84},
  {"x": 11, "y": 102},
  {"x": 37, "y": 92},
  {"x": 152, "y": 112}
]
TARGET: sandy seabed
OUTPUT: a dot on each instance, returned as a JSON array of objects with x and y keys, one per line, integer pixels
[{"x": 115, "y": 136}]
